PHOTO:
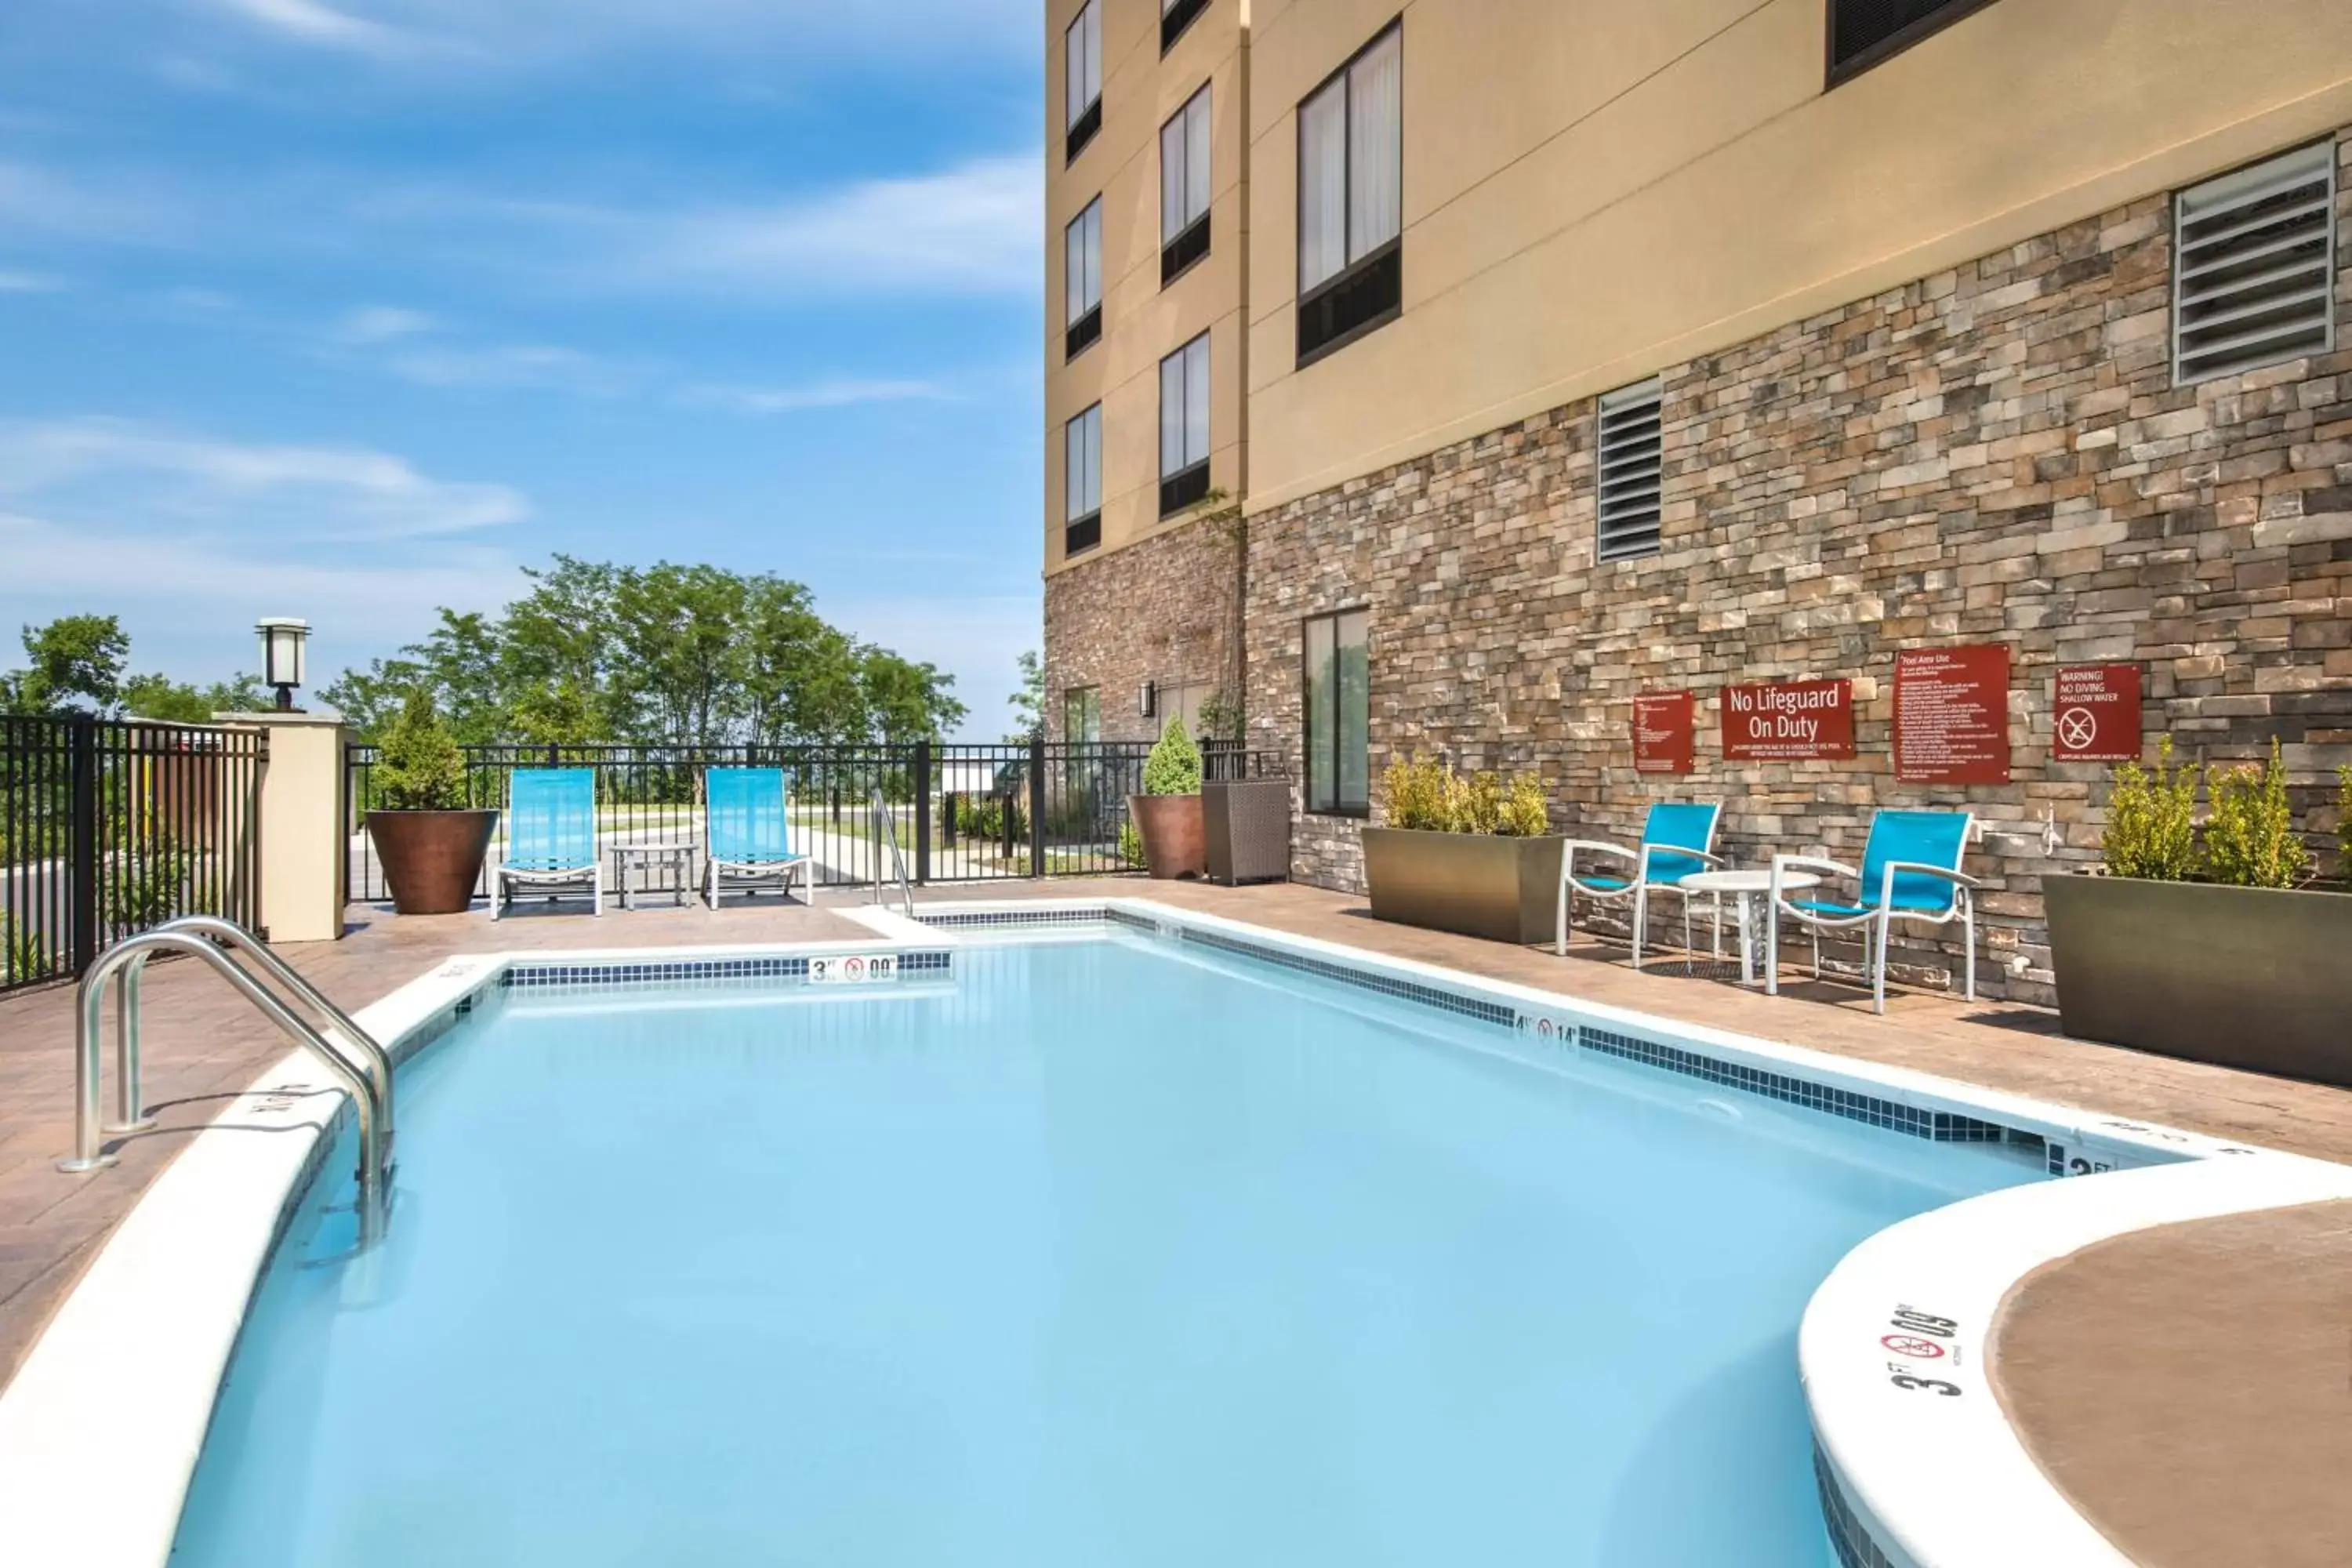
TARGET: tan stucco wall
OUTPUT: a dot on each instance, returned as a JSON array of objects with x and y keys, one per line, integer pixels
[
  {"x": 1142, "y": 322},
  {"x": 1593, "y": 189},
  {"x": 305, "y": 828}
]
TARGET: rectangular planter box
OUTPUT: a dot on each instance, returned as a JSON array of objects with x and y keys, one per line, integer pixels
[
  {"x": 1505, "y": 889},
  {"x": 2242, "y": 977},
  {"x": 1249, "y": 830}
]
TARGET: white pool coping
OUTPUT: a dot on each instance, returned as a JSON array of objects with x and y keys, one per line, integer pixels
[{"x": 102, "y": 1428}]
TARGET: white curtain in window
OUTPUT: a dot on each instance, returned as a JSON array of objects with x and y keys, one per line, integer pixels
[
  {"x": 1082, "y": 65},
  {"x": 1323, "y": 184},
  {"x": 1375, "y": 146},
  {"x": 1082, "y": 470}
]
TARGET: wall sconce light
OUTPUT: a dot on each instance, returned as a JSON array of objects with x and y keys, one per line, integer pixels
[
  {"x": 282, "y": 661},
  {"x": 1147, "y": 700}
]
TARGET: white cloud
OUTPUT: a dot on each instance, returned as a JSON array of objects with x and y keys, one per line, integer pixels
[
  {"x": 817, "y": 394},
  {"x": 29, "y": 283},
  {"x": 310, "y": 22},
  {"x": 382, "y": 324},
  {"x": 132, "y": 477},
  {"x": 514, "y": 365}
]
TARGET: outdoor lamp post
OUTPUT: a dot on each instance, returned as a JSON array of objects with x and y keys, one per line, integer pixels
[{"x": 282, "y": 640}]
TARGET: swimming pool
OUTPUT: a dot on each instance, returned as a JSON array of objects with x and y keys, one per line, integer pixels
[{"x": 1113, "y": 1249}]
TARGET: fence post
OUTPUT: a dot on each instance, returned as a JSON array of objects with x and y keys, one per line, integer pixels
[
  {"x": 81, "y": 885},
  {"x": 922, "y": 811},
  {"x": 1037, "y": 804}
]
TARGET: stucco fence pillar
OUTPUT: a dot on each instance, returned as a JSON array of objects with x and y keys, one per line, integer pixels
[{"x": 304, "y": 821}]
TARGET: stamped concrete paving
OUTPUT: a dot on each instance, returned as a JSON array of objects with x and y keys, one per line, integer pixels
[{"x": 203, "y": 1047}]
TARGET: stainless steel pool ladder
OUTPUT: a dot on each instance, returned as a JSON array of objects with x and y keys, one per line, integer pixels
[
  {"x": 886, "y": 830},
  {"x": 363, "y": 1068}
]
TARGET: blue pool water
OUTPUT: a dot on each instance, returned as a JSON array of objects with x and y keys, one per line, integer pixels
[{"x": 1100, "y": 1254}]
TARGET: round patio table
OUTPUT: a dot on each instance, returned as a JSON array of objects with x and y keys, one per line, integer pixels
[{"x": 1750, "y": 893}]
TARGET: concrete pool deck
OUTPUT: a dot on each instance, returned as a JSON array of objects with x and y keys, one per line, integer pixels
[{"x": 204, "y": 1048}]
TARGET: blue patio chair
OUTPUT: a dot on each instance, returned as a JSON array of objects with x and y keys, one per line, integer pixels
[
  {"x": 550, "y": 837},
  {"x": 1678, "y": 841},
  {"x": 1910, "y": 870},
  {"x": 747, "y": 834}
]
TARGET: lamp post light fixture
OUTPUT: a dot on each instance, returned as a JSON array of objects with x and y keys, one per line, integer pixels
[
  {"x": 1147, "y": 698},
  {"x": 282, "y": 641}
]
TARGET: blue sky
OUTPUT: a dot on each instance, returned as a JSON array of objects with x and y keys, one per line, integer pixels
[{"x": 349, "y": 308}]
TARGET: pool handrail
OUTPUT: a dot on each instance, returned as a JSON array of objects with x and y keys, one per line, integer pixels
[
  {"x": 373, "y": 1108},
  {"x": 886, "y": 828}
]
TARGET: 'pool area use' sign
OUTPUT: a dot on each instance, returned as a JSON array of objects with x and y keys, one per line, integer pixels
[
  {"x": 2095, "y": 714},
  {"x": 1787, "y": 721},
  {"x": 1664, "y": 732},
  {"x": 1951, "y": 715}
]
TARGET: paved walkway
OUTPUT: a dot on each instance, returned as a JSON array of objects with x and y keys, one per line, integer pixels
[{"x": 2221, "y": 1294}]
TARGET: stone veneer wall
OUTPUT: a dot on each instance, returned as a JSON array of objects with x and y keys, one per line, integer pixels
[
  {"x": 1162, "y": 609},
  {"x": 1995, "y": 453}
]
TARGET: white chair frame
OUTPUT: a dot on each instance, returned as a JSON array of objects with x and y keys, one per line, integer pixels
[
  {"x": 751, "y": 876},
  {"x": 1875, "y": 925},
  {"x": 566, "y": 876},
  {"x": 1639, "y": 891}
]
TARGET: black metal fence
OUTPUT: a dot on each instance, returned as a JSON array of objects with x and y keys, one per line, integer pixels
[
  {"x": 108, "y": 828},
  {"x": 961, "y": 812}
]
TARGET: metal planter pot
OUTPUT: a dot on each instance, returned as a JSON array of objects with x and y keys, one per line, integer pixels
[
  {"x": 1175, "y": 834},
  {"x": 432, "y": 858},
  {"x": 1505, "y": 889},
  {"x": 2240, "y": 977}
]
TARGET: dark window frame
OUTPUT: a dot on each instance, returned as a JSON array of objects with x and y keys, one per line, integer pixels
[
  {"x": 1086, "y": 331},
  {"x": 1388, "y": 257},
  {"x": 1081, "y": 536},
  {"x": 1078, "y": 133},
  {"x": 1837, "y": 71},
  {"x": 1306, "y": 717},
  {"x": 1083, "y": 532},
  {"x": 1177, "y": 19},
  {"x": 1188, "y": 485},
  {"x": 1081, "y": 132}
]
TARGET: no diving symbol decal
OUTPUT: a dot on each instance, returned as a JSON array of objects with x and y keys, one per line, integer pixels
[
  {"x": 2077, "y": 728},
  {"x": 1910, "y": 1345}
]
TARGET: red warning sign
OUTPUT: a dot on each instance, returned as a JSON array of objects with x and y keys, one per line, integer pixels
[
  {"x": 1664, "y": 728},
  {"x": 2095, "y": 714},
  {"x": 1951, "y": 715}
]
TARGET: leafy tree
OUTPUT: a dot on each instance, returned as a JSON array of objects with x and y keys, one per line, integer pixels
[
  {"x": 73, "y": 656},
  {"x": 1028, "y": 702},
  {"x": 176, "y": 703},
  {"x": 905, "y": 701}
]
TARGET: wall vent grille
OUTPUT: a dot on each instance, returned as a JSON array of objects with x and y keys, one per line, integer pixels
[
  {"x": 2253, "y": 272},
  {"x": 1631, "y": 462}
]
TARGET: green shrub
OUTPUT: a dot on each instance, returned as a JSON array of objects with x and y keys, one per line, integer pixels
[
  {"x": 1524, "y": 815},
  {"x": 982, "y": 816},
  {"x": 147, "y": 886},
  {"x": 1174, "y": 765},
  {"x": 1131, "y": 847},
  {"x": 1430, "y": 797},
  {"x": 22, "y": 957},
  {"x": 2249, "y": 841},
  {"x": 419, "y": 766},
  {"x": 2151, "y": 821}
]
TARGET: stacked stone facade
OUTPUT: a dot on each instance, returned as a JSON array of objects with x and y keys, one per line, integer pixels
[
  {"x": 1165, "y": 610},
  {"x": 1997, "y": 453}
]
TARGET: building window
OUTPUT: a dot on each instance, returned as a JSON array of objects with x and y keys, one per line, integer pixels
[
  {"x": 1184, "y": 425},
  {"x": 1339, "y": 714},
  {"x": 1175, "y": 16},
  {"x": 2253, "y": 267},
  {"x": 1184, "y": 188},
  {"x": 1864, "y": 32},
  {"x": 1351, "y": 200},
  {"x": 1082, "y": 279},
  {"x": 1632, "y": 461},
  {"x": 1081, "y": 482},
  {"x": 1082, "y": 716},
  {"x": 1082, "y": 79}
]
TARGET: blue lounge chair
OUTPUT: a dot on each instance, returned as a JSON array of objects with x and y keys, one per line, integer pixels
[
  {"x": 747, "y": 834},
  {"x": 1910, "y": 870},
  {"x": 1678, "y": 841},
  {"x": 550, "y": 837}
]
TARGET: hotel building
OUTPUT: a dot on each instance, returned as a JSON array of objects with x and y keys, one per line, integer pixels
[{"x": 1445, "y": 378}]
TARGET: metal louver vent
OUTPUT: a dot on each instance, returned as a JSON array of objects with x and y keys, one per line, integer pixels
[
  {"x": 1631, "y": 459},
  {"x": 2253, "y": 267}
]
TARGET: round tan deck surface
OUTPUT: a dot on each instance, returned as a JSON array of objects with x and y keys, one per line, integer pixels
[{"x": 2190, "y": 1388}]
